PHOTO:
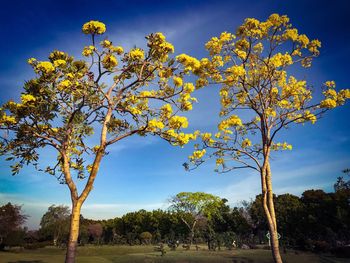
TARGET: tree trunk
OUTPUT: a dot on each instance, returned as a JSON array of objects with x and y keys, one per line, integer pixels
[
  {"x": 269, "y": 209},
  {"x": 73, "y": 233}
]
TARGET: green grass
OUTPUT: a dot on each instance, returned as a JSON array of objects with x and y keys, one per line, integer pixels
[{"x": 146, "y": 254}]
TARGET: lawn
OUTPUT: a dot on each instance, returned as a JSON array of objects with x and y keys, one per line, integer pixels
[{"x": 111, "y": 254}]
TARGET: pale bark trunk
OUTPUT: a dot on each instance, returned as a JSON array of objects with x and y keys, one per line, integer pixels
[
  {"x": 269, "y": 209},
  {"x": 74, "y": 233},
  {"x": 192, "y": 232}
]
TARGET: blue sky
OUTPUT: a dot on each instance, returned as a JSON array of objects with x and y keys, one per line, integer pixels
[{"x": 141, "y": 173}]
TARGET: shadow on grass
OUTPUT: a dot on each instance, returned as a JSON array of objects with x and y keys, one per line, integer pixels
[{"x": 26, "y": 261}]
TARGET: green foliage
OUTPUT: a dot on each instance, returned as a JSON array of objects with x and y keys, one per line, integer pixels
[
  {"x": 146, "y": 237},
  {"x": 11, "y": 220},
  {"x": 54, "y": 224},
  {"x": 197, "y": 204}
]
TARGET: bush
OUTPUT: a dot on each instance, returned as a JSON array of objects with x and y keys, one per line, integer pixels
[
  {"x": 37, "y": 245},
  {"x": 146, "y": 237}
]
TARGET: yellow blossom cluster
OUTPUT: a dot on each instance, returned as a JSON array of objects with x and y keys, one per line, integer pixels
[
  {"x": 197, "y": 155},
  {"x": 334, "y": 98},
  {"x": 281, "y": 146},
  {"x": 59, "y": 63},
  {"x": 280, "y": 60},
  {"x": 308, "y": 116},
  {"x": 328, "y": 103},
  {"x": 136, "y": 54},
  {"x": 234, "y": 73},
  {"x": 270, "y": 112},
  {"x": 6, "y": 119},
  {"x": 207, "y": 138},
  {"x": 88, "y": 51},
  {"x": 45, "y": 67},
  {"x": 111, "y": 49},
  {"x": 246, "y": 143},
  {"x": 177, "y": 81},
  {"x": 106, "y": 43},
  {"x": 185, "y": 98},
  {"x": 27, "y": 98},
  {"x": 220, "y": 161},
  {"x": 177, "y": 122},
  {"x": 232, "y": 121},
  {"x": 215, "y": 44},
  {"x": 190, "y": 63},
  {"x": 94, "y": 27},
  {"x": 109, "y": 61},
  {"x": 166, "y": 111},
  {"x": 159, "y": 46},
  {"x": 64, "y": 84},
  {"x": 154, "y": 125},
  {"x": 180, "y": 138}
]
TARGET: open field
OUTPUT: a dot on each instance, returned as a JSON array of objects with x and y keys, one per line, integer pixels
[{"x": 107, "y": 254}]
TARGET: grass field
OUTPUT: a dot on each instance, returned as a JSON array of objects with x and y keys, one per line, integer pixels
[{"x": 146, "y": 254}]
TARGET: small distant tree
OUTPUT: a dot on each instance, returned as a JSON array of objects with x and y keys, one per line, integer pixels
[
  {"x": 197, "y": 205},
  {"x": 79, "y": 108},
  {"x": 342, "y": 184},
  {"x": 259, "y": 98},
  {"x": 11, "y": 220},
  {"x": 95, "y": 231},
  {"x": 55, "y": 223},
  {"x": 146, "y": 237}
]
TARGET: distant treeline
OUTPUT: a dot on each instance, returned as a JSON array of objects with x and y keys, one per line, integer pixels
[{"x": 316, "y": 221}]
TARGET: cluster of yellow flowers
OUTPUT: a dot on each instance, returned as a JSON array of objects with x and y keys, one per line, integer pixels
[
  {"x": 234, "y": 73},
  {"x": 27, "y": 98},
  {"x": 281, "y": 146},
  {"x": 270, "y": 112},
  {"x": 136, "y": 54},
  {"x": 45, "y": 67},
  {"x": 190, "y": 63},
  {"x": 333, "y": 98},
  {"x": 94, "y": 27},
  {"x": 215, "y": 44},
  {"x": 177, "y": 122},
  {"x": 6, "y": 119},
  {"x": 246, "y": 143},
  {"x": 180, "y": 138},
  {"x": 88, "y": 51},
  {"x": 59, "y": 63},
  {"x": 109, "y": 61},
  {"x": 166, "y": 111},
  {"x": 308, "y": 116},
  {"x": 328, "y": 103},
  {"x": 280, "y": 60},
  {"x": 207, "y": 138},
  {"x": 64, "y": 84},
  {"x": 154, "y": 125},
  {"x": 196, "y": 155},
  {"x": 220, "y": 161},
  {"x": 185, "y": 98},
  {"x": 177, "y": 81},
  {"x": 232, "y": 121},
  {"x": 159, "y": 46}
]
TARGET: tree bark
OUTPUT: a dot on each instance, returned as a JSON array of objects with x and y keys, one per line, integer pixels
[
  {"x": 73, "y": 233},
  {"x": 269, "y": 209}
]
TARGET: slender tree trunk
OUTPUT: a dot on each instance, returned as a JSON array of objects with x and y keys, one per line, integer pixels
[
  {"x": 269, "y": 209},
  {"x": 73, "y": 233}
]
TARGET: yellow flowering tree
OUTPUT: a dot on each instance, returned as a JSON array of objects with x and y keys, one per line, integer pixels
[
  {"x": 259, "y": 98},
  {"x": 109, "y": 96}
]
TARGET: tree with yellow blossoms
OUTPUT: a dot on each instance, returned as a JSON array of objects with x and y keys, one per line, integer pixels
[
  {"x": 259, "y": 98},
  {"x": 109, "y": 96}
]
